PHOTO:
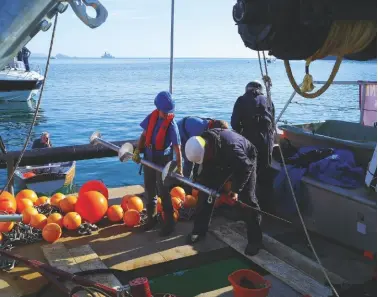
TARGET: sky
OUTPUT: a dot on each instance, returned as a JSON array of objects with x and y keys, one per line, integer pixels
[{"x": 203, "y": 28}]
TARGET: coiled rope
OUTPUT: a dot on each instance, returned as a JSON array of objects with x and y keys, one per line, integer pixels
[{"x": 345, "y": 37}]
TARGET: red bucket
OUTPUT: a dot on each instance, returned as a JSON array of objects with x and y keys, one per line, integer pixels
[{"x": 255, "y": 278}]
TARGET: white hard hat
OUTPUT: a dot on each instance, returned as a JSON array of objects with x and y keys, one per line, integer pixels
[{"x": 195, "y": 149}]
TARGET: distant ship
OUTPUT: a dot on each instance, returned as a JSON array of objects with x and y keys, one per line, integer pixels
[{"x": 107, "y": 56}]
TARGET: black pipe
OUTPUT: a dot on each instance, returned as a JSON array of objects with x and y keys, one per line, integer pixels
[{"x": 61, "y": 154}]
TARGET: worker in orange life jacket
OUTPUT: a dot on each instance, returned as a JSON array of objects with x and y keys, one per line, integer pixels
[{"x": 160, "y": 134}]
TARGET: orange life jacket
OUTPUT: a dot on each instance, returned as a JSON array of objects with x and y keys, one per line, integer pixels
[{"x": 160, "y": 137}]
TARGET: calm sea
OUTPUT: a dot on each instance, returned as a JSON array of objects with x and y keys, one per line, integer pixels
[{"x": 113, "y": 96}]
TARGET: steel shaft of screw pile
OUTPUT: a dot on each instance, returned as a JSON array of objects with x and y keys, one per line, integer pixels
[
  {"x": 184, "y": 180},
  {"x": 10, "y": 218}
]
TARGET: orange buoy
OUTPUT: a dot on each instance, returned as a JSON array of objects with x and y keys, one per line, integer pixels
[
  {"x": 28, "y": 174},
  {"x": 190, "y": 201},
  {"x": 124, "y": 201},
  {"x": 56, "y": 198},
  {"x": 227, "y": 187},
  {"x": 134, "y": 202},
  {"x": 42, "y": 200},
  {"x": 8, "y": 203},
  {"x": 178, "y": 192},
  {"x": 92, "y": 206},
  {"x": 27, "y": 194},
  {"x": 27, "y": 213},
  {"x": 176, "y": 202},
  {"x": 38, "y": 221},
  {"x": 56, "y": 218},
  {"x": 159, "y": 206},
  {"x": 68, "y": 204},
  {"x": 176, "y": 215},
  {"x": 94, "y": 185},
  {"x": 195, "y": 192},
  {"x": 22, "y": 204},
  {"x": 51, "y": 232},
  {"x": 131, "y": 218},
  {"x": 6, "y": 226},
  {"x": 1, "y": 237},
  {"x": 115, "y": 213},
  {"x": 72, "y": 220}
]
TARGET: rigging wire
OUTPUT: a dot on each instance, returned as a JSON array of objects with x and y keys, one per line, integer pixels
[
  {"x": 292, "y": 189},
  {"x": 172, "y": 41}
]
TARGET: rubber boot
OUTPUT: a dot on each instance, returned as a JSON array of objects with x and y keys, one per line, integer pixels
[
  {"x": 252, "y": 249},
  {"x": 151, "y": 218},
  {"x": 168, "y": 226}
]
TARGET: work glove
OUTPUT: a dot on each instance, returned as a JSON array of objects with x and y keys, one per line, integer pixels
[{"x": 136, "y": 156}]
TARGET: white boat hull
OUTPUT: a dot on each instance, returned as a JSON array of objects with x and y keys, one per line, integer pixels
[
  {"x": 18, "y": 85},
  {"x": 18, "y": 96}
]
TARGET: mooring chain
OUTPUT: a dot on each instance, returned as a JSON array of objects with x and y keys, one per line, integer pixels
[{"x": 20, "y": 234}]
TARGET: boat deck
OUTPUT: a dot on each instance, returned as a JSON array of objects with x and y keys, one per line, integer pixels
[{"x": 146, "y": 254}]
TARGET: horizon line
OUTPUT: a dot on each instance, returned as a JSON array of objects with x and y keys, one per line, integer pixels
[{"x": 81, "y": 57}]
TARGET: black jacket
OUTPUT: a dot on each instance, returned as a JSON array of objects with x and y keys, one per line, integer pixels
[
  {"x": 37, "y": 144},
  {"x": 253, "y": 118},
  {"x": 232, "y": 154}
]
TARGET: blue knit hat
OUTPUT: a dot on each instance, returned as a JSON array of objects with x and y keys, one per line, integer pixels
[{"x": 164, "y": 102}]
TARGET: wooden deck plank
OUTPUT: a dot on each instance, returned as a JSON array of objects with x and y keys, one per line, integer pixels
[
  {"x": 7, "y": 291},
  {"x": 293, "y": 277},
  {"x": 292, "y": 257},
  {"x": 87, "y": 259},
  {"x": 58, "y": 256}
]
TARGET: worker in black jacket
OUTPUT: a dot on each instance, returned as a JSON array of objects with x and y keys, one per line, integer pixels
[
  {"x": 253, "y": 117},
  {"x": 224, "y": 154}
]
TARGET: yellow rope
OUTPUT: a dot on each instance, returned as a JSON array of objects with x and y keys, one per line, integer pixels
[{"x": 345, "y": 37}]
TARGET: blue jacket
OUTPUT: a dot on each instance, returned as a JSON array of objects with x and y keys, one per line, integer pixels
[
  {"x": 188, "y": 127},
  {"x": 191, "y": 126}
]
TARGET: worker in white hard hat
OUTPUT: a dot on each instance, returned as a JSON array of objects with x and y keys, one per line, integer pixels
[
  {"x": 253, "y": 117},
  {"x": 224, "y": 154}
]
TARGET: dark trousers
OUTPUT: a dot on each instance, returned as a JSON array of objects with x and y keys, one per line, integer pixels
[
  {"x": 264, "y": 188},
  {"x": 205, "y": 209},
  {"x": 153, "y": 186}
]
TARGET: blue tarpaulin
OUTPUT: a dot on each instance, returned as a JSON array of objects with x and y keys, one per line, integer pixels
[{"x": 338, "y": 169}]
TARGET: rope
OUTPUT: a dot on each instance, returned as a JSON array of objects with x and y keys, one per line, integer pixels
[
  {"x": 37, "y": 108},
  {"x": 308, "y": 82},
  {"x": 345, "y": 37},
  {"x": 266, "y": 79},
  {"x": 172, "y": 40},
  {"x": 298, "y": 210}
]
